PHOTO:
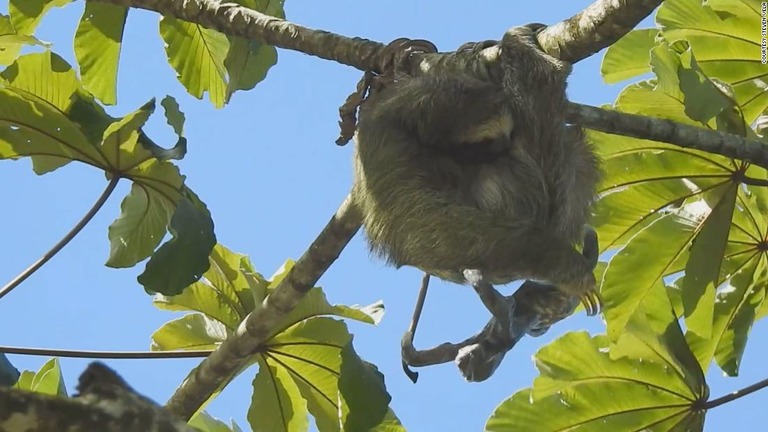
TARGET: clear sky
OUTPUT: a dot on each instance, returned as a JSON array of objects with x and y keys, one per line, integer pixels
[{"x": 269, "y": 171}]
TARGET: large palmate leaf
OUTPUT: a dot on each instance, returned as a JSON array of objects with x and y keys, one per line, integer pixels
[
  {"x": 51, "y": 119},
  {"x": 725, "y": 37},
  {"x": 307, "y": 366},
  {"x": 671, "y": 209},
  {"x": 648, "y": 381}
]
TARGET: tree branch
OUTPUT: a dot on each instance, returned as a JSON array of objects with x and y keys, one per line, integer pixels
[
  {"x": 104, "y": 354},
  {"x": 234, "y": 20},
  {"x": 105, "y": 403},
  {"x": 233, "y": 353},
  {"x": 714, "y": 403},
  {"x": 679, "y": 134},
  {"x": 598, "y": 26}
]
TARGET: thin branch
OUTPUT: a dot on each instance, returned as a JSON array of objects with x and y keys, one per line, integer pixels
[
  {"x": 117, "y": 355},
  {"x": 63, "y": 242},
  {"x": 679, "y": 134},
  {"x": 754, "y": 181},
  {"x": 714, "y": 403},
  {"x": 233, "y": 353}
]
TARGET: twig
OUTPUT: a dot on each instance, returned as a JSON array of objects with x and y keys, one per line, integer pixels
[
  {"x": 104, "y": 354},
  {"x": 714, "y": 403},
  {"x": 63, "y": 242}
]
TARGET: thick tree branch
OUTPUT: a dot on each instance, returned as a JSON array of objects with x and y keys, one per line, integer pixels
[
  {"x": 233, "y": 353},
  {"x": 598, "y": 26},
  {"x": 679, "y": 134},
  {"x": 105, "y": 403}
]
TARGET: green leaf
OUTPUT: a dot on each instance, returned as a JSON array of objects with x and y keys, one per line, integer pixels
[
  {"x": 48, "y": 380},
  {"x": 654, "y": 334},
  {"x": 247, "y": 63},
  {"x": 311, "y": 352},
  {"x": 705, "y": 102},
  {"x": 175, "y": 119},
  {"x": 629, "y": 56},
  {"x": 727, "y": 46},
  {"x": 276, "y": 404},
  {"x": 736, "y": 309},
  {"x": 363, "y": 390},
  {"x": 207, "y": 423},
  {"x": 191, "y": 332},
  {"x": 640, "y": 266},
  {"x": 197, "y": 54},
  {"x": 11, "y": 42},
  {"x": 223, "y": 294},
  {"x": 184, "y": 258},
  {"x": 702, "y": 271},
  {"x": 580, "y": 379},
  {"x": 98, "y": 41},
  {"x": 390, "y": 423},
  {"x": 140, "y": 228},
  {"x": 34, "y": 128},
  {"x": 53, "y": 120},
  {"x": 46, "y": 76},
  {"x": 315, "y": 304},
  {"x": 26, "y": 14},
  {"x": 173, "y": 115}
]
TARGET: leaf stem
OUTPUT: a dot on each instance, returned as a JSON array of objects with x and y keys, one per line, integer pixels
[
  {"x": 63, "y": 242},
  {"x": 105, "y": 354},
  {"x": 737, "y": 394}
]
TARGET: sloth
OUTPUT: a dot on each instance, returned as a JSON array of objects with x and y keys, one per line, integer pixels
[{"x": 457, "y": 172}]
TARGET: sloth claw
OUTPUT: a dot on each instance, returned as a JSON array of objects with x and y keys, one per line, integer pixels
[{"x": 593, "y": 302}]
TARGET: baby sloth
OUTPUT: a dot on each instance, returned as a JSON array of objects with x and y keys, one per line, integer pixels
[{"x": 456, "y": 172}]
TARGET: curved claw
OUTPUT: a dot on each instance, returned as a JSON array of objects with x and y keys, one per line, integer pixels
[{"x": 593, "y": 303}]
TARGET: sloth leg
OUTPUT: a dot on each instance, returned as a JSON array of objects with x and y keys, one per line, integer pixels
[{"x": 501, "y": 309}]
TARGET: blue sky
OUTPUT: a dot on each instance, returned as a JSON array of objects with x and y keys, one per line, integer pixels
[{"x": 270, "y": 173}]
